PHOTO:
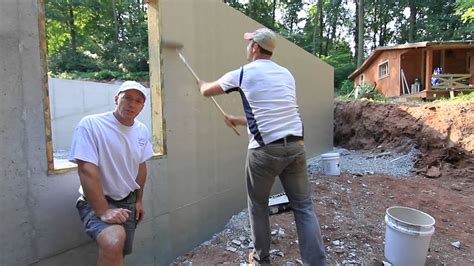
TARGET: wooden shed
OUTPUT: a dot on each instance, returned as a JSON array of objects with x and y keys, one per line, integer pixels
[{"x": 407, "y": 70}]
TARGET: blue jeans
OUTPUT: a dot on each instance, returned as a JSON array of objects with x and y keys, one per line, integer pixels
[{"x": 288, "y": 161}]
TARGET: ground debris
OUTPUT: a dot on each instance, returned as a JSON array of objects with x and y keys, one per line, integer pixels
[
  {"x": 231, "y": 249},
  {"x": 456, "y": 244},
  {"x": 433, "y": 172},
  {"x": 277, "y": 252}
]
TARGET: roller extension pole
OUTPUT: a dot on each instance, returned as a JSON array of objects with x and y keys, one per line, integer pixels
[{"x": 197, "y": 79}]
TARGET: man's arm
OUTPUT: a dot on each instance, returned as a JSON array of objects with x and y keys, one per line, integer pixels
[
  {"x": 141, "y": 178},
  {"x": 92, "y": 187},
  {"x": 210, "y": 88}
]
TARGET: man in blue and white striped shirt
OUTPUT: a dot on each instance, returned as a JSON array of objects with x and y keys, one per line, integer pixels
[{"x": 276, "y": 145}]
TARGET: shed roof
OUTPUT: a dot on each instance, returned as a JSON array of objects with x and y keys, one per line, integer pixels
[{"x": 435, "y": 45}]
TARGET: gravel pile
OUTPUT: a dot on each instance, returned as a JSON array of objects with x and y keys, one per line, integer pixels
[{"x": 367, "y": 163}]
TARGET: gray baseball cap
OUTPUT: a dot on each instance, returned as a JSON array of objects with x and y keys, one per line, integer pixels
[{"x": 264, "y": 37}]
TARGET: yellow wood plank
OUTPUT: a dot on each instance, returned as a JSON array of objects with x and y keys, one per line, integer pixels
[{"x": 154, "y": 50}]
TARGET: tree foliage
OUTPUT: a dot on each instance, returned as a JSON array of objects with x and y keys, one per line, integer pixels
[
  {"x": 385, "y": 22},
  {"x": 465, "y": 8},
  {"x": 90, "y": 35},
  {"x": 109, "y": 37}
]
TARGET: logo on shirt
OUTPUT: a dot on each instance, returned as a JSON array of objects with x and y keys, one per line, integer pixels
[{"x": 141, "y": 142}]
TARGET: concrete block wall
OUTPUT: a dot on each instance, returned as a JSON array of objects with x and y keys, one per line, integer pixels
[{"x": 192, "y": 192}]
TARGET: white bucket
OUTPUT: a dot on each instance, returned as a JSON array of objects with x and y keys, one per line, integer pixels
[
  {"x": 407, "y": 235},
  {"x": 330, "y": 163}
]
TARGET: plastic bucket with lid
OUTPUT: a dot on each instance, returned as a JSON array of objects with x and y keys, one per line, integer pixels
[
  {"x": 330, "y": 163},
  {"x": 407, "y": 235}
]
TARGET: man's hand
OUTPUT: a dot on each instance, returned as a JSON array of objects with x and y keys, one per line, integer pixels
[
  {"x": 115, "y": 216},
  {"x": 140, "y": 211},
  {"x": 233, "y": 121},
  {"x": 200, "y": 83},
  {"x": 229, "y": 120}
]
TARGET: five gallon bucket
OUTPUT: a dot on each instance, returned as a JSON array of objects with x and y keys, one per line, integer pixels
[
  {"x": 330, "y": 162},
  {"x": 407, "y": 235}
]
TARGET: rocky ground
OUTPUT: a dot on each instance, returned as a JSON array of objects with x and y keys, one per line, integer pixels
[{"x": 418, "y": 156}]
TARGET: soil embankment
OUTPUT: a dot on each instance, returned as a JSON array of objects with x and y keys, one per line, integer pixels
[{"x": 443, "y": 133}]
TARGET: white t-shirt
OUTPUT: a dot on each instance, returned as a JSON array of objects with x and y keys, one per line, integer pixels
[
  {"x": 116, "y": 149},
  {"x": 269, "y": 99}
]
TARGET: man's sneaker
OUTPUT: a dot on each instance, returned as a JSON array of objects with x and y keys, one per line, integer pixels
[{"x": 253, "y": 261}]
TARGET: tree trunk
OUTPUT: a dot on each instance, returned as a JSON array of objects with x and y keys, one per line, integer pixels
[
  {"x": 321, "y": 25},
  {"x": 335, "y": 18},
  {"x": 116, "y": 24},
  {"x": 72, "y": 29},
  {"x": 360, "y": 40},
  {"x": 273, "y": 12},
  {"x": 317, "y": 39},
  {"x": 356, "y": 31},
  {"x": 375, "y": 29},
  {"x": 383, "y": 32},
  {"x": 412, "y": 21},
  {"x": 315, "y": 34}
]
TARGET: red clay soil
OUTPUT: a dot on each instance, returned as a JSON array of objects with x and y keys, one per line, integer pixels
[
  {"x": 442, "y": 132},
  {"x": 351, "y": 208}
]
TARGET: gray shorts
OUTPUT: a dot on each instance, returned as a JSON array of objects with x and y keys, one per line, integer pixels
[{"x": 93, "y": 225}]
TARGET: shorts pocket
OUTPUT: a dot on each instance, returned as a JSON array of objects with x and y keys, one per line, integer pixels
[
  {"x": 85, "y": 211},
  {"x": 80, "y": 203}
]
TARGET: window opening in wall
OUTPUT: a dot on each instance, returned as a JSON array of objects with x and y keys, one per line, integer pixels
[
  {"x": 361, "y": 79},
  {"x": 88, "y": 49},
  {"x": 383, "y": 70}
]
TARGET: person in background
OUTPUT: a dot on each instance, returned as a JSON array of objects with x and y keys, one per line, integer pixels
[
  {"x": 111, "y": 150},
  {"x": 276, "y": 146}
]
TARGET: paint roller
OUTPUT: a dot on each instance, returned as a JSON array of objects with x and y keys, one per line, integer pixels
[{"x": 178, "y": 47}]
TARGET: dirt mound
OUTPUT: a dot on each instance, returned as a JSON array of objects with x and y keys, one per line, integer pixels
[{"x": 444, "y": 133}]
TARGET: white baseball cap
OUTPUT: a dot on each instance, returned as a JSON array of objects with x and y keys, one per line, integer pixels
[
  {"x": 132, "y": 85},
  {"x": 264, "y": 37}
]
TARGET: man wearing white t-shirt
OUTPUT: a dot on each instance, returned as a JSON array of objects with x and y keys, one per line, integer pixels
[
  {"x": 111, "y": 150},
  {"x": 276, "y": 145}
]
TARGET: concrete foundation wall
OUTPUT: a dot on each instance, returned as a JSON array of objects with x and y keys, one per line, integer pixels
[
  {"x": 192, "y": 192},
  {"x": 71, "y": 100}
]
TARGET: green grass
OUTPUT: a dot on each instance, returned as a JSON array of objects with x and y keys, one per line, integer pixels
[
  {"x": 458, "y": 99},
  {"x": 366, "y": 93}
]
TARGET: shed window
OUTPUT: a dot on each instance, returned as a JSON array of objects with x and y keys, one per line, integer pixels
[
  {"x": 383, "y": 70},
  {"x": 361, "y": 79}
]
